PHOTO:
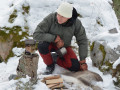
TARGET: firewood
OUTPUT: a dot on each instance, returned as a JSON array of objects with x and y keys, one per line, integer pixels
[
  {"x": 59, "y": 80},
  {"x": 43, "y": 81},
  {"x": 57, "y": 86},
  {"x": 52, "y": 77},
  {"x": 61, "y": 88},
  {"x": 52, "y": 85}
]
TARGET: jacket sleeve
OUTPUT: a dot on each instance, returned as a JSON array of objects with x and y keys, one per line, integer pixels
[
  {"x": 42, "y": 31},
  {"x": 82, "y": 41}
]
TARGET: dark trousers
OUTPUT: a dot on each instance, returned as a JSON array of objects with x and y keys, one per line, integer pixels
[{"x": 68, "y": 61}]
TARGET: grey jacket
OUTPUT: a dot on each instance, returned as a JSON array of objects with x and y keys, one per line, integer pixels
[{"x": 49, "y": 28}]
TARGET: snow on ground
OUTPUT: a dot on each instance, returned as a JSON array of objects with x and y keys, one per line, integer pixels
[
  {"x": 10, "y": 68},
  {"x": 107, "y": 83},
  {"x": 92, "y": 12}
]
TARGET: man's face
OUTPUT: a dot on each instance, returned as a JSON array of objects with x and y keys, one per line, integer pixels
[{"x": 61, "y": 19}]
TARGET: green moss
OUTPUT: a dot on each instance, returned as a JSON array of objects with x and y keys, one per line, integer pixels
[
  {"x": 117, "y": 83},
  {"x": 3, "y": 36},
  {"x": 107, "y": 68},
  {"x": 14, "y": 31},
  {"x": 13, "y": 16},
  {"x": 24, "y": 86},
  {"x": 116, "y": 73},
  {"x": 1, "y": 59},
  {"x": 101, "y": 48},
  {"x": 98, "y": 22},
  {"x": 92, "y": 46},
  {"x": 26, "y": 28},
  {"x": 17, "y": 78},
  {"x": 25, "y": 9},
  {"x": 103, "y": 69},
  {"x": 107, "y": 63}
]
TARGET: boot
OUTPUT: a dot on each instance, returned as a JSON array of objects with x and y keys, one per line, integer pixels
[
  {"x": 54, "y": 57},
  {"x": 49, "y": 69}
]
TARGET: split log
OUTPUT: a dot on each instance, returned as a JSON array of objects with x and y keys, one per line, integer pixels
[
  {"x": 52, "y": 85},
  {"x": 52, "y": 81},
  {"x": 52, "y": 77},
  {"x": 60, "y": 85}
]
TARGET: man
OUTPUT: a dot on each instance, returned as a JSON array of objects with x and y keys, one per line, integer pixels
[{"x": 56, "y": 31}]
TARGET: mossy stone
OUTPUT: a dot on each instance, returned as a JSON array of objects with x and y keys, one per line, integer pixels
[
  {"x": 14, "y": 31},
  {"x": 117, "y": 83},
  {"x": 13, "y": 16},
  {"x": 1, "y": 60},
  {"x": 25, "y": 9},
  {"x": 92, "y": 46},
  {"x": 116, "y": 6},
  {"x": 98, "y": 22},
  {"x": 101, "y": 48}
]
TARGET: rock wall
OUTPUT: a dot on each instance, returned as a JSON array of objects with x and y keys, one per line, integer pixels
[
  {"x": 116, "y": 6},
  {"x": 5, "y": 48},
  {"x": 11, "y": 37},
  {"x": 104, "y": 57},
  {"x": 101, "y": 53},
  {"x": 10, "y": 40}
]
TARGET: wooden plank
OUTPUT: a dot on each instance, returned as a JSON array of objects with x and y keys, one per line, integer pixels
[
  {"x": 52, "y": 77},
  {"x": 43, "y": 81},
  {"x": 61, "y": 88},
  {"x": 60, "y": 85},
  {"x": 52, "y": 85},
  {"x": 52, "y": 81}
]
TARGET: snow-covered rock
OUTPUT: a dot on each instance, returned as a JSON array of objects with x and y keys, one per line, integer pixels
[{"x": 97, "y": 16}]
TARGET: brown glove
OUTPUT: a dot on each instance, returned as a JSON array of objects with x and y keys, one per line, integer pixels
[
  {"x": 59, "y": 42},
  {"x": 83, "y": 65}
]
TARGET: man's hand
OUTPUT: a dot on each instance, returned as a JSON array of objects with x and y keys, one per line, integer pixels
[
  {"x": 83, "y": 65},
  {"x": 57, "y": 39},
  {"x": 59, "y": 42}
]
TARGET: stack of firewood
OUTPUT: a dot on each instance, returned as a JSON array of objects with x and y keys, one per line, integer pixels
[{"x": 53, "y": 82}]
